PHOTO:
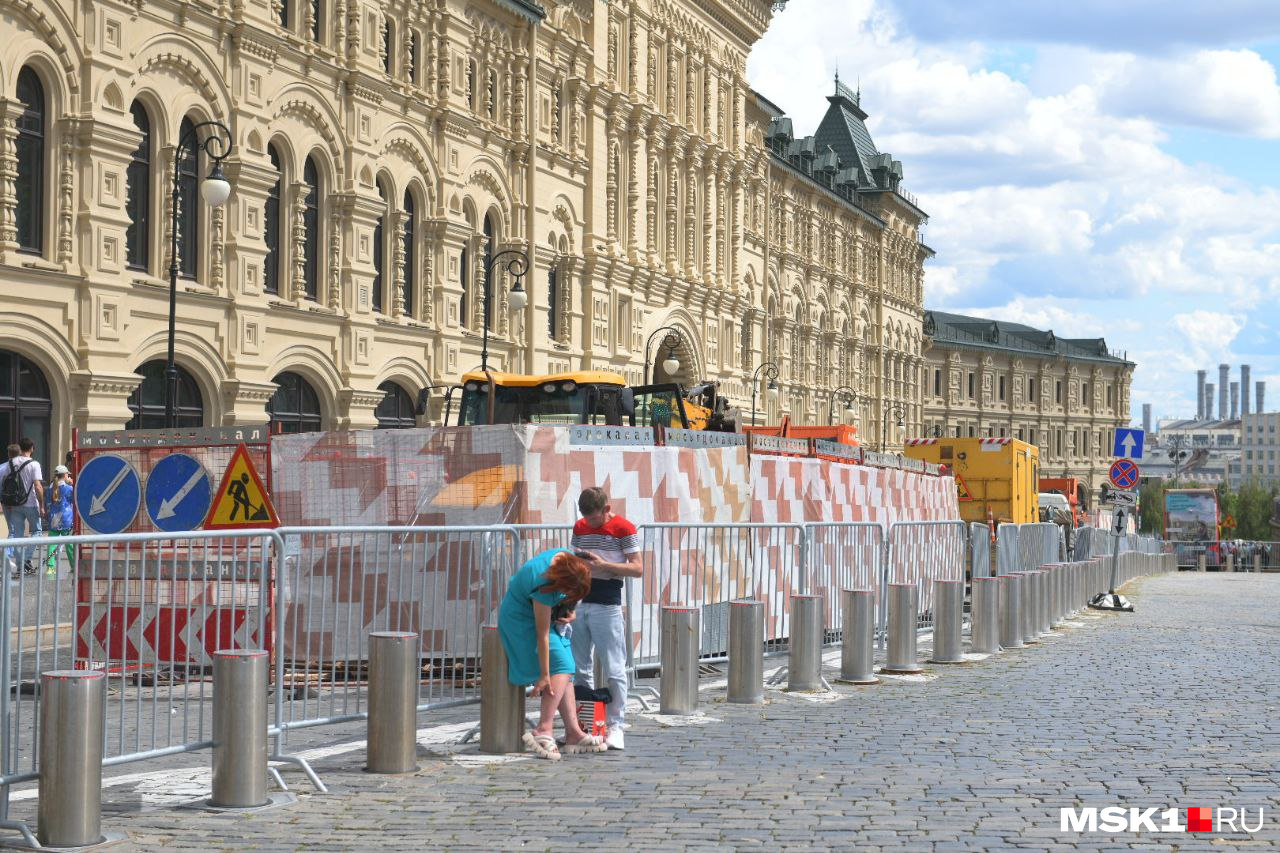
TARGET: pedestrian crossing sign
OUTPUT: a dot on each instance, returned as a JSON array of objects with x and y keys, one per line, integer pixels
[
  {"x": 962, "y": 488},
  {"x": 241, "y": 499}
]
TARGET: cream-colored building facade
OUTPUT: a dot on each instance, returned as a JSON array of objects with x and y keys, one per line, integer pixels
[
  {"x": 381, "y": 153},
  {"x": 990, "y": 378}
]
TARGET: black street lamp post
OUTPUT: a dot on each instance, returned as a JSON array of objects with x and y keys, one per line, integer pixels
[
  {"x": 1176, "y": 454},
  {"x": 214, "y": 190},
  {"x": 894, "y": 410},
  {"x": 673, "y": 338},
  {"x": 850, "y": 397},
  {"x": 517, "y": 265},
  {"x": 767, "y": 369}
]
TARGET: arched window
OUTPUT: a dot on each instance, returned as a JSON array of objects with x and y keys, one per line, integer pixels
[
  {"x": 138, "y": 194},
  {"x": 188, "y": 200},
  {"x": 29, "y": 182},
  {"x": 463, "y": 270},
  {"x": 490, "y": 229},
  {"x": 26, "y": 406},
  {"x": 271, "y": 276},
  {"x": 410, "y": 284},
  {"x": 147, "y": 400},
  {"x": 396, "y": 409},
  {"x": 311, "y": 230},
  {"x": 294, "y": 406},
  {"x": 553, "y": 303},
  {"x": 388, "y": 43},
  {"x": 380, "y": 249}
]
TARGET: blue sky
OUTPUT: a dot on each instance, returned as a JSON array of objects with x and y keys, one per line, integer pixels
[{"x": 1098, "y": 168}]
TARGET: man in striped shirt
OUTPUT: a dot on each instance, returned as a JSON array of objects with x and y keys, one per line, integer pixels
[{"x": 612, "y": 546}]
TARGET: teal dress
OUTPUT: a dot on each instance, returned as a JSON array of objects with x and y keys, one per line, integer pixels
[{"x": 518, "y": 629}]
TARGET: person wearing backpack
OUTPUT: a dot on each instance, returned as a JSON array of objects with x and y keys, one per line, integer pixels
[{"x": 22, "y": 496}]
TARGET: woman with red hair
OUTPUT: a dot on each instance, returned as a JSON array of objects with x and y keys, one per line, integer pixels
[{"x": 542, "y": 657}]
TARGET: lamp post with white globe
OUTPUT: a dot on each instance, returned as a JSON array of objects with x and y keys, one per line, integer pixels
[
  {"x": 214, "y": 191},
  {"x": 671, "y": 363},
  {"x": 517, "y": 265}
]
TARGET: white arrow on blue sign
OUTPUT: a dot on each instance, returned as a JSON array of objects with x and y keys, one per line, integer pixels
[
  {"x": 178, "y": 493},
  {"x": 108, "y": 494},
  {"x": 1128, "y": 443}
]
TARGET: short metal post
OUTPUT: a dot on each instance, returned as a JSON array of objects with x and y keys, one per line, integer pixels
[
  {"x": 1202, "y": 563},
  {"x": 1056, "y": 595},
  {"x": 804, "y": 669},
  {"x": 857, "y": 656},
  {"x": 393, "y": 702},
  {"x": 1257, "y": 563},
  {"x": 1043, "y": 602},
  {"x": 1231, "y": 562},
  {"x": 69, "y": 811},
  {"x": 746, "y": 652},
  {"x": 1011, "y": 610},
  {"x": 948, "y": 619},
  {"x": 1030, "y": 619},
  {"x": 681, "y": 642},
  {"x": 904, "y": 607},
  {"x": 240, "y": 729},
  {"x": 501, "y": 702},
  {"x": 984, "y": 616}
]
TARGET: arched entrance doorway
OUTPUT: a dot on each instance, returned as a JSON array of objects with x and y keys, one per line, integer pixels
[
  {"x": 26, "y": 407},
  {"x": 687, "y": 372}
]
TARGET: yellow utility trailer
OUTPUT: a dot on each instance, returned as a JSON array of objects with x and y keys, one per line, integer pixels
[{"x": 998, "y": 479}]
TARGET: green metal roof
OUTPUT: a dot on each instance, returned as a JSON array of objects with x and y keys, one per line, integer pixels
[{"x": 984, "y": 333}]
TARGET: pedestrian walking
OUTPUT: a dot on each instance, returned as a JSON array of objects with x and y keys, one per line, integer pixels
[
  {"x": 22, "y": 496},
  {"x": 61, "y": 516},
  {"x": 611, "y": 545},
  {"x": 540, "y": 656}
]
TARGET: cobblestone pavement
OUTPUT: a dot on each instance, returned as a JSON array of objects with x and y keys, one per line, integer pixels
[{"x": 1177, "y": 705}]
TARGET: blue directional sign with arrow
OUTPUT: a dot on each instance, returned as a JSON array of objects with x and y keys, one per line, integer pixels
[
  {"x": 179, "y": 493},
  {"x": 108, "y": 494},
  {"x": 1128, "y": 443}
]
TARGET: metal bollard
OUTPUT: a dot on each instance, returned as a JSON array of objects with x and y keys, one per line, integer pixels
[
  {"x": 1231, "y": 562},
  {"x": 1043, "y": 603},
  {"x": 392, "y": 730},
  {"x": 69, "y": 811},
  {"x": 857, "y": 655},
  {"x": 1059, "y": 594},
  {"x": 681, "y": 639},
  {"x": 804, "y": 670},
  {"x": 948, "y": 617},
  {"x": 240, "y": 729},
  {"x": 746, "y": 652},
  {"x": 1202, "y": 563},
  {"x": 1011, "y": 610},
  {"x": 904, "y": 608},
  {"x": 1257, "y": 563},
  {"x": 984, "y": 615},
  {"x": 501, "y": 702},
  {"x": 1030, "y": 617}
]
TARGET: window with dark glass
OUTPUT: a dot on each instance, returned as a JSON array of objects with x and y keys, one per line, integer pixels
[
  {"x": 188, "y": 200},
  {"x": 284, "y": 12},
  {"x": 937, "y": 383},
  {"x": 388, "y": 41},
  {"x": 147, "y": 400},
  {"x": 29, "y": 145},
  {"x": 295, "y": 406},
  {"x": 26, "y": 406},
  {"x": 414, "y": 77},
  {"x": 379, "y": 249},
  {"x": 311, "y": 230},
  {"x": 409, "y": 286},
  {"x": 271, "y": 276},
  {"x": 316, "y": 22},
  {"x": 396, "y": 409},
  {"x": 462, "y": 277},
  {"x": 138, "y": 193},
  {"x": 553, "y": 301}
]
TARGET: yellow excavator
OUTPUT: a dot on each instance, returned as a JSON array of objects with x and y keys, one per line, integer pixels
[{"x": 590, "y": 397}]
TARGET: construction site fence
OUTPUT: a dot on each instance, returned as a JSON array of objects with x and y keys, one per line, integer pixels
[
  {"x": 1093, "y": 542},
  {"x": 1245, "y": 555},
  {"x": 151, "y": 609}
]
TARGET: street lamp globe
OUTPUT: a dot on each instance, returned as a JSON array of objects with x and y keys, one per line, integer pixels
[
  {"x": 671, "y": 364},
  {"x": 772, "y": 388},
  {"x": 517, "y": 298},
  {"x": 216, "y": 189}
]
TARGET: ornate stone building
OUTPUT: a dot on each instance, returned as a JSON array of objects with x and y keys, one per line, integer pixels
[
  {"x": 382, "y": 153},
  {"x": 989, "y": 378}
]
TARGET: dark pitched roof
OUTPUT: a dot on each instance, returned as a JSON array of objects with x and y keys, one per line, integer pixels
[
  {"x": 530, "y": 9},
  {"x": 984, "y": 333},
  {"x": 844, "y": 129}
]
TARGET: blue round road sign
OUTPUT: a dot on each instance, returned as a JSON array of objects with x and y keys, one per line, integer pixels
[
  {"x": 108, "y": 494},
  {"x": 1124, "y": 474},
  {"x": 179, "y": 493}
]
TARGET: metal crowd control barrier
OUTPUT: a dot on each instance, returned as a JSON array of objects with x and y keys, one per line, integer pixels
[
  {"x": 921, "y": 552},
  {"x": 536, "y": 538}
]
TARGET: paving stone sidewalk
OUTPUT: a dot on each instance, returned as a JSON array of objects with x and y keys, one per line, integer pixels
[{"x": 1177, "y": 705}]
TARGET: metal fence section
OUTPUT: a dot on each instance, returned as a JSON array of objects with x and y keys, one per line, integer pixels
[
  {"x": 982, "y": 551},
  {"x": 921, "y": 552},
  {"x": 1037, "y": 545},
  {"x": 148, "y": 610},
  {"x": 536, "y": 538},
  {"x": 842, "y": 555},
  {"x": 338, "y": 584},
  {"x": 707, "y": 566}
]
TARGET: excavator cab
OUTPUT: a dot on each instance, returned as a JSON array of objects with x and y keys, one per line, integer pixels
[{"x": 582, "y": 397}]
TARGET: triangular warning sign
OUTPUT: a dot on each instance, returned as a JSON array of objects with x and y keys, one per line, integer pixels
[
  {"x": 962, "y": 488},
  {"x": 241, "y": 499}
]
